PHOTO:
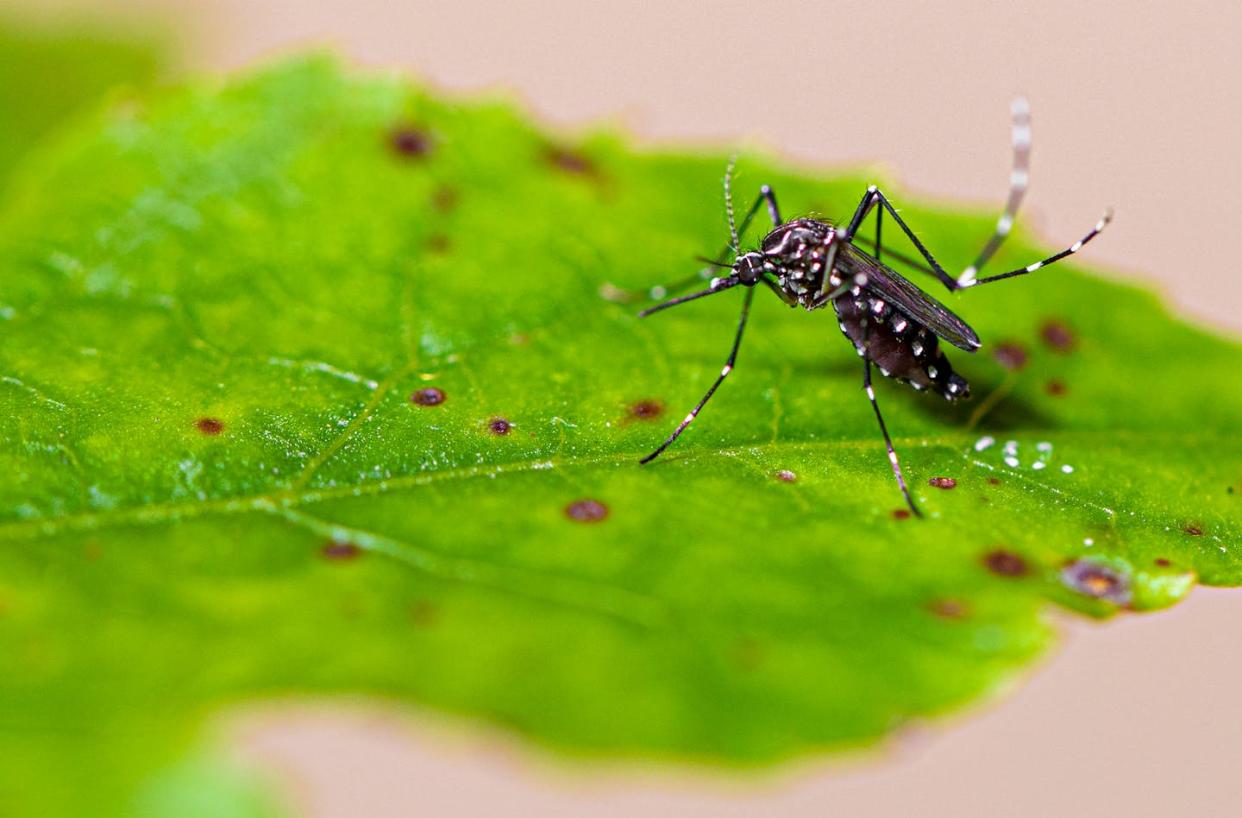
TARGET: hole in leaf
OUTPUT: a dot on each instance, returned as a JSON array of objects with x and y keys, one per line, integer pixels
[
  {"x": 586, "y": 510},
  {"x": 499, "y": 426},
  {"x": 209, "y": 426},
  {"x": 1005, "y": 563},
  {"x": 428, "y": 396}
]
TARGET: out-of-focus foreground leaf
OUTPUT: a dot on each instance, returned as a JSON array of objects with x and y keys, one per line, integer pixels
[
  {"x": 307, "y": 387},
  {"x": 47, "y": 73}
]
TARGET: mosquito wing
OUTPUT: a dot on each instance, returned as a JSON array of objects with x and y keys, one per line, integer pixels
[{"x": 891, "y": 285}]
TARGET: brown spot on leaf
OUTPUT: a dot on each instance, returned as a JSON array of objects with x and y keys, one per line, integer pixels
[
  {"x": 1057, "y": 335},
  {"x": 901, "y": 514},
  {"x": 1010, "y": 354},
  {"x": 1056, "y": 388},
  {"x": 949, "y": 608},
  {"x": 647, "y": 409},
  {"x": 338, "y": 551},
  {"x": 410, "y": 142},
  {"x": 570, "y": 161},
  {"x": 586, "y": 510},
  {"x": 1193, "y": 529},
  {"x": 943, "y": 482},
  {"x": 1097, "y": 581},
  {"x": 424, "y": 613},
  {"x": 1162, "y": 562},
  {"x": 1005, "y": 563},
  {"x": 786, "y": 476},
  {"x": 439, "y": 244},
  {"x": 994, "y": 481},
  {"x": 444, "y": 198},
  {"x": 209, "y": 426},
  {"x": 499, "y": 426},
  {"x": 428, "y": 396}
]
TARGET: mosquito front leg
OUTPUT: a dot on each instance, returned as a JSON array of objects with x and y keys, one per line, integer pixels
[{"x": 724, "y": 373}]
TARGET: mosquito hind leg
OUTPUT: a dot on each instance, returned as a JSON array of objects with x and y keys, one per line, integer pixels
[
  {"x": 888, "y": 441},
  {"x": 724, "y": 373},
  {"x": 1019, "y": 178}
]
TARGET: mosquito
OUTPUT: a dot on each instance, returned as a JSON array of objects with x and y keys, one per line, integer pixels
[{"x": 893, "y": 324}]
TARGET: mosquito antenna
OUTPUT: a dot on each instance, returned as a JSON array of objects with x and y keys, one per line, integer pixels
[
  {"x": 719, "y": 285},
  {"x": 713, "y": 262},
  {"x": 728, "y": 194}
]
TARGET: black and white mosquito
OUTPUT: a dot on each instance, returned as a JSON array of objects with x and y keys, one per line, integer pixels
[{"x": 811, "y": 263}]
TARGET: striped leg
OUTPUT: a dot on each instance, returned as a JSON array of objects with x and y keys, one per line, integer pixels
[
  {"x": 724, "y": 373},
  {"x": 888, "y": 441},
  {"x": 1019, "y": 178},
  {"x": 1055, "y": 257}
]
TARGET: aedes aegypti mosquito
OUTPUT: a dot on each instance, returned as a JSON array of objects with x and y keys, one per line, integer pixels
[{"x": 810, "y": 262}]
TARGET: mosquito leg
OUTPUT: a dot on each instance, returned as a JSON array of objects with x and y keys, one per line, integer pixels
[
  {"x": 879, "y": 225},
  {"x": 875, "y": 196},
  {"x": 1055, "y": 257},
  {"x": 724, "y": 373},
  {"x": 888, "y": 441},
  {"x": 1019, "y": 177}
]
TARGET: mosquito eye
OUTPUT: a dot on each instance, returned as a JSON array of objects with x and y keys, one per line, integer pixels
[{"x": 747, "y": 271}]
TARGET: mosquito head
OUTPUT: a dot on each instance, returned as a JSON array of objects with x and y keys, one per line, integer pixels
[{"x": 749, "y": 267}]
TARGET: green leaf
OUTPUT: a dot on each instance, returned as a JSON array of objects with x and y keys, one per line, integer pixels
[{"x": 218, "y": 488}]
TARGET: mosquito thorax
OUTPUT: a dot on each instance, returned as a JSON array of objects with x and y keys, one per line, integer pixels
[{"x": 797, "y": 253}]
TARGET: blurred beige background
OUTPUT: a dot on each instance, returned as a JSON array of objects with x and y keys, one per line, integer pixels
[{"x": 1135, "y": 104}]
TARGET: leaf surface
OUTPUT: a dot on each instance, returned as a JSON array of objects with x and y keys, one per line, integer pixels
[{"x": 225, "y": 477}]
